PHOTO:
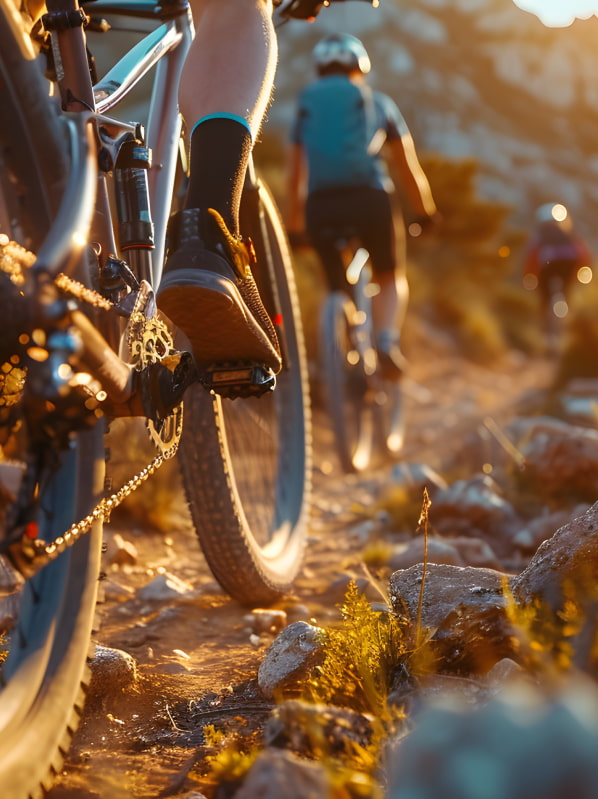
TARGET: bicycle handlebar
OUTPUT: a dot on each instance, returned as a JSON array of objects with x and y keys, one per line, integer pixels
[{"x": 308, "y": 9}]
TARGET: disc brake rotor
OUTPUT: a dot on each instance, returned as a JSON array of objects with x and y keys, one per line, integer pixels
[{"x": 149, "y": 341}]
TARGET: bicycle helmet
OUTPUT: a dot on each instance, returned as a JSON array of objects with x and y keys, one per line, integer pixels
[{"x": 343, "y": 51}]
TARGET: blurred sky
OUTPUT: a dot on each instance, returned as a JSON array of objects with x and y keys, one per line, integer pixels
[{"x": 559, "y": 12}]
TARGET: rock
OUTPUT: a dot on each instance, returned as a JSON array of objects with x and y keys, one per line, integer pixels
[
  {"x": 466, "y": 691},
  {"x": 564, "y": 568},
  {"x": 115, "y": 592},
  {"x": 337, "y": 590},
  {"x": 265, "y": 620},
  {"x": 291, "y": 655},
  {"x": 505, "y": 671},
  {"x": 439, "y": 551},
  {"x": 519, "y": 745},
  {"x": 301, "y": 727},
  {"x": 463, "y": 610},
  {"x": 561, "y": 461},
  {"x": 578, "y": 401},
  {"x": 121, "y": 552},
  {"x": 446, "y": 589},
  {"x": 542, "y": 527},
  {"x": 475, "y": 552},
  {"x": 401, "y": 498},
  {"x": 163, "y": 587},
  {"x": 298, "y": 612},
  {"x": 476, "y": 508},
  {"x": 281, "y": 775},
  {"x": 417, "y": 476},
  {"x": 112, "y": 672}
]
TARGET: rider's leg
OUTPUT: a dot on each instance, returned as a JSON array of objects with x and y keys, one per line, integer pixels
[
  {"x": 389, "y": 305},
  {"x": 386, "y": 242},
  {"x": 225, "y": 90}
]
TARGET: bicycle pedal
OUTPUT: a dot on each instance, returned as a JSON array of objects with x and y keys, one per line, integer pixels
[{"x": 233, "y": 380}]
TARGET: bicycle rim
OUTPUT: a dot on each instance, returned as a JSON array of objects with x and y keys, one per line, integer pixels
[
  {"x": 246, "y": 463},
  {"x": 345, "y": 382},
  {"x": 43, "y": 677}
]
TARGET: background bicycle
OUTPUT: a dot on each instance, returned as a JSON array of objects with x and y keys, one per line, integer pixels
[{"x": 364, "y": 408}]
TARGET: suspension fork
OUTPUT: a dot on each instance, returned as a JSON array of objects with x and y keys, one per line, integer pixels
[{"x": 65, "y": 20}]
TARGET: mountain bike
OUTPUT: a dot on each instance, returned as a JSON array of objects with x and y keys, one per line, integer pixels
[
  {"x": 365, "y": 410},
  {"x": 85, "y": 198},
  {"x": 556, "y": 284}
]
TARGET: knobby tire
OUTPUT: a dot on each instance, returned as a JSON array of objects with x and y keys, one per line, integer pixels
[
  {"x": 345, "y": 383},
  {"x": 44, "y": 675},
  {"x": 245, "y": 463}
]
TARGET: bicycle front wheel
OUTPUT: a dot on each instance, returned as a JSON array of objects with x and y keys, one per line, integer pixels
[
  {"x": 345, "y": 382},
  {"x": 43, "y": 669},
  {"x": 246, "y": 462}
]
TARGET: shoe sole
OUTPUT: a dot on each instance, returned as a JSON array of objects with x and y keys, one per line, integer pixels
[{"x": 209, "y": 309}]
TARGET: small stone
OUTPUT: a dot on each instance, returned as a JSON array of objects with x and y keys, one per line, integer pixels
[
  {"x": 121, "y": 552},
  {"x": 291, "y": 655},
  {"x": 112, "y": 671},
  {"x": 266, "y": 620},
  {"x": 164, "y": 586}
]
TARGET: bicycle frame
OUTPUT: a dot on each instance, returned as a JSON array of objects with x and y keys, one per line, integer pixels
[
  {"x": 371, "y": 423},
  {"x": 96, "y": 141},
  {"x": 165, "y": 49}
]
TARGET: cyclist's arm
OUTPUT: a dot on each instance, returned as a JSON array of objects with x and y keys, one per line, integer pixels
[
  {"x": 404, "y": 158},
  {"x": 412, "y": 176}
]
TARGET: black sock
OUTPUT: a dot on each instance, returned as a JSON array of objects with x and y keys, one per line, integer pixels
[{"x": 220, "y": 149}]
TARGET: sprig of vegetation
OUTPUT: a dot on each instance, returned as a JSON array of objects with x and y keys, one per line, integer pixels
[
  {"x": 360, "y": 658},
  {"x": 549, "y": 638},
  {"x": 362, "y": 655},
  {"x": 233, "y": 757}
]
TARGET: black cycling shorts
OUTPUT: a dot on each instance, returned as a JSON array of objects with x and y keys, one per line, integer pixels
[{"x": 360, "y": 212}]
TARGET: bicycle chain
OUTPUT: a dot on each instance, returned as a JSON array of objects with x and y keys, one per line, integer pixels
[
  {"x": 33, "y": 554},
  {"x": 37, "y": 554}
]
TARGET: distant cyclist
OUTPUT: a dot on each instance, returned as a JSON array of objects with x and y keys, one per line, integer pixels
[
  {"x": 554, "y": 256},
  {"x": 338, "y": 179}
]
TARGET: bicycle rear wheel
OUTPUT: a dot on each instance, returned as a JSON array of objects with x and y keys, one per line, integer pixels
[
  {"x": 44, "y": 672},
  {"x": 345, "y": 382},
  {"x": 245, "y": 463}
]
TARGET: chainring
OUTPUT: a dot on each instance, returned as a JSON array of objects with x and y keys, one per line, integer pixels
[{"x": 149, "y": 341}]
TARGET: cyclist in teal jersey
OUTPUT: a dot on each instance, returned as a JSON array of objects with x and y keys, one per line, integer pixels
[{"x": 338, "y": 180}]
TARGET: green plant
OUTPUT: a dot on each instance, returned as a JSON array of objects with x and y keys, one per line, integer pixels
[{"x": 360, "y": 658}]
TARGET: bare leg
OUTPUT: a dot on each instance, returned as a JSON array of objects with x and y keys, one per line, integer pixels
[
  {"x": 389, "y": 306},
  {"x": 235, "y": 46}
]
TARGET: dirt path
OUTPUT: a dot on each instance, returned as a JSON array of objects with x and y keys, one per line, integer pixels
[{"x": 197, "y": 657}]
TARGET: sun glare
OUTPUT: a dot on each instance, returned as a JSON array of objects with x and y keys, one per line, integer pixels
[{"x": 559, "y": 13}]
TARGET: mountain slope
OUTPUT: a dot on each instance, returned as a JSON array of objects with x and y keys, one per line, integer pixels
[{"x": 477, "y": 78}]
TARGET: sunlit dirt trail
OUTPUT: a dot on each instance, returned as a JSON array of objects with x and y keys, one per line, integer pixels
[{"x": 196, "y": 658}]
